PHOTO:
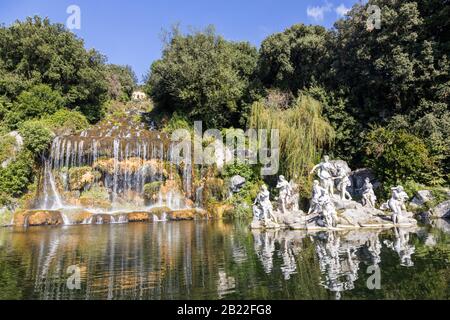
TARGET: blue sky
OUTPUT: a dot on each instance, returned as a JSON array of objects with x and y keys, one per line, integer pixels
[{"x": 129, "y": 32}]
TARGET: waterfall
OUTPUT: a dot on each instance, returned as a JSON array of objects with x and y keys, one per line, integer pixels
[
  {"x": 163, "y": 218},
  {"x": 112, "y": 162},
  {"x": 199, "y": 197},
  {"x": 49, "y": 182}
]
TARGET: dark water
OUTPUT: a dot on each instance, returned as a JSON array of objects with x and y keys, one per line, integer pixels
[{"x": 219, "y": 260}]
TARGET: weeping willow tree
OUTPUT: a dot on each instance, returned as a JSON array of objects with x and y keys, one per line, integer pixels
[{"x": 303, "y": 133}]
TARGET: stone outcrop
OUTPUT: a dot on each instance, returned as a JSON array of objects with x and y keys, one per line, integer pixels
[
  {"x": 38, "y": 218},
  {"x": 442, "y": 210},
  {"x": 187, "y": 214},
  {"x": 139, "y": 216},
  {"x": 15, "y": 145},
  {"x": 236, "y": 183},
  {"x": 421, "y": 197}
]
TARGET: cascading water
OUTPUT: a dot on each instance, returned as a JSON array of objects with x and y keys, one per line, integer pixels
[{"x": 106, "y": 169}]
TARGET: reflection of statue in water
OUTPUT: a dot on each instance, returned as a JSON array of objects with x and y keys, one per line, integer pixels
[
  {"x": 343, "y": 183},
  {"x": 339, "y": 265},
  {"x": 368, "y": 196},
  {"x": 264, "y": 248},
  {"x": 374, "y": 248},
  {"x": 262, "y": 207},
  {"x": 402, "y": 247},
  {"x": 397, "y": 203},
  {"x": 284, "y": 194},
  {"x": 289, "y": 247},
  {"x": 289, "y": 264},
  {"x": 325, "y": 174}
]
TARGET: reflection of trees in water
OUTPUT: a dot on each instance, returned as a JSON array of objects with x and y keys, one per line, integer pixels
[{"x": 217, "y": 260}]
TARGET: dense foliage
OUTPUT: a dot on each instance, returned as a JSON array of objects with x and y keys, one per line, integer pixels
[
  {"x": 397, "y": 156},
  {"x": 203, "y": 76},
  {"x": 381, "y": 94}
]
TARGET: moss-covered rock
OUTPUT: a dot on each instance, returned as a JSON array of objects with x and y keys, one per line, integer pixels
[
  {"x": 80, "y": 177},
  {"x": 187, "y": 214},
  {"x": 6, "y": 216},
  {"x": 151, "y": 191},
  {"x": 38, "y": 218},
  {"x": 97, "y": 197},
  {"x": 138, "y": 216}
]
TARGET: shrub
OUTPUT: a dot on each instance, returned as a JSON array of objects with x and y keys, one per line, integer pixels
[
  {"x": 177, "y": 121},
  {"x": 36, "y": 102},
  {"x": 36, "y": 136},
  {"x": 245, "y": 170},
  {"x": 397, "y": 156},
  {"x": 7, "y": 147},
  {"x": 66, "y": 122},
  {"x": 151, "y": 189},
  {"x": 15, "y": 178}
]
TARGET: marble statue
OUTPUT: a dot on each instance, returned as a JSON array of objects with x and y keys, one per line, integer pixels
[
  {"x": 262, "y": 207},
  {"x": 321, "y": 203},
  {"x": 295, "y": 196},
  {"x": 368, "y": 196},
  {"x": 328, "y": 210},
  {"x": 343, "y": 183},
  {"x": 325, "y": 171},
  {"x": 285, "y": 193},
  {"x": 317, "y": 193},
  {"x": 397, "y": 203}
]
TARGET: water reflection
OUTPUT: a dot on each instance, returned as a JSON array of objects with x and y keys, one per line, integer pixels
[
  {"x": 339, "y": 254},
  {"x": 402, "y": 247},
  {"x": 216, "y": 260}
]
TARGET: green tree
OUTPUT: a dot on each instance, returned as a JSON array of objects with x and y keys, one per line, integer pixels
[
  {"x": 121, "y": 82},
  {"x": 36, "y": 136},
  {"x": 39, "y": 100},
  {"x": 15, "y": 178},
  {"x": 295, "y": 58},
  {"x": 204, "y": 76},
  {"x": 398, "y": 157},
  {"x": 35, "y": 51}
]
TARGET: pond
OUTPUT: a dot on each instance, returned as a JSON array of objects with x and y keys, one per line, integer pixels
[{"x": 222, "y": 260}]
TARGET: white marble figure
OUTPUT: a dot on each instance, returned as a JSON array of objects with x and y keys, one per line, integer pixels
[
  {"x": 325, "y": 173},
  {"x": 397, "y": 203},
  {"x": 328, "y": 210},
  {"x": 322, "y": 203},
  {"x": 262, "y": 207},
  {"x": 285, "y": 193},
  {"x": 368, "y": 196},
  {"x": 294, "y": 199},
  {"x": 317, "y": 193},
  {"x": 343, "y": 183}
]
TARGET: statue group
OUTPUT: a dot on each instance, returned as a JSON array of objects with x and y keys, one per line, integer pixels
[{"x": 322, "y": 213}]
